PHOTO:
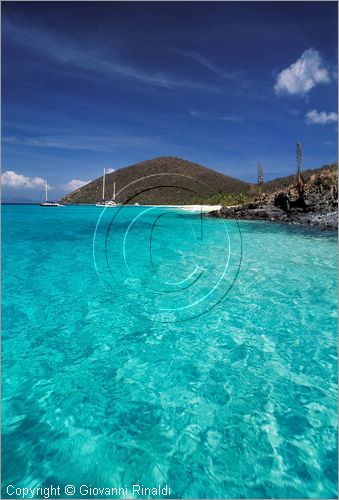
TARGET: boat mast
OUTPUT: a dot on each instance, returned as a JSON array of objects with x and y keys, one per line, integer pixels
[
  {"x": 114, "y": 191},
  {"x": 103, "y": 185},
  {"x": 46, "y": 190}
]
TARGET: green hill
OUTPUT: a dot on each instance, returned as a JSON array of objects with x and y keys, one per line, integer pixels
[
  {"x": 160, "y": 181},
  {"x": 174, "y": 181}
]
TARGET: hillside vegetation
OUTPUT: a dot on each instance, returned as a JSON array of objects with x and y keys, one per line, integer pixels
[
  {"x": 168, "y": 180},
  {"x": 310, "y": 200},
  {"x": 281, "y": 183},
  {"x": 160, "y": 181},
  {"x": 323, "y": 176}
]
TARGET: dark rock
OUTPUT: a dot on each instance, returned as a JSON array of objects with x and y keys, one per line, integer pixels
[
  {"x": 307, "y": 203},
  {"x": 282, "y": 201},
  {"x": 316, "y": 204},
  {"x": 215, "y": 213}
]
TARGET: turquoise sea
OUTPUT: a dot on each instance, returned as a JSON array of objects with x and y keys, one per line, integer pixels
[{"x": 161, "y": 348}]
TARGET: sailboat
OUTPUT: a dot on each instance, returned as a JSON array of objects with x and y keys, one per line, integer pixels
[
  {"x": 47, "y": 203},
  {"x": 107, "y": 203}
]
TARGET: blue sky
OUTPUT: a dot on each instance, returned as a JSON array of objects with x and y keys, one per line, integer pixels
[{"x": 88, "y": 85}]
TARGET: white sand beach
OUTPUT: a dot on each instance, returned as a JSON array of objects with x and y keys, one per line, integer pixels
[
  {"x": 200, "y": 208},
  {"x": 190, "y": 208}
]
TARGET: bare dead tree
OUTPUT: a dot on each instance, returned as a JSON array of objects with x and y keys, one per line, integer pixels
[
  {"x": 299, "y": 179},
  {"x": 299, "y": 159},
  {"x": 260, "y": 176}
]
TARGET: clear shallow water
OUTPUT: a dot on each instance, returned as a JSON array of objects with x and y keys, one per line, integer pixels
[{"x": 108, "y": 382}]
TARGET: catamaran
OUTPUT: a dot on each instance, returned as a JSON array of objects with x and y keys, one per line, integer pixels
[
  {"x": 107, "y": 203},
  {"x": 47, "y": 203}
]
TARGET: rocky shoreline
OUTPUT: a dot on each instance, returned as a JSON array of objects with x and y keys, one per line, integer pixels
[
  {"x": 325, "y": 220},
  {"x": 316, "y": 204}
]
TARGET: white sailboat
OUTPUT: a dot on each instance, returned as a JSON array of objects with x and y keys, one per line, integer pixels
[
  {"x": 107, "y": 203},
  {"x": 47, "y": 203}
]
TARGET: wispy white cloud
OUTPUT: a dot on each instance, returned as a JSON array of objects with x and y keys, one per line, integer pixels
[
  {"x": 196, "y": 114},
  {"x": 14, "y": 180},
  {"x": 73, "y": 185},
  {"x": 304, "y": 74},
  {"x": 110, "y": 170},
  {"x": 320, "y": 117},
  {"x": 230, "y": 118},
  {"x": 47, "y": 142},
  {"x": 211, "y": 66},
  {"x": 92, "y": 59},
  {"x": 82, "y": 143},
  {"x": 242, "y": 81},
  {"x": 207, "y": 116}
]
